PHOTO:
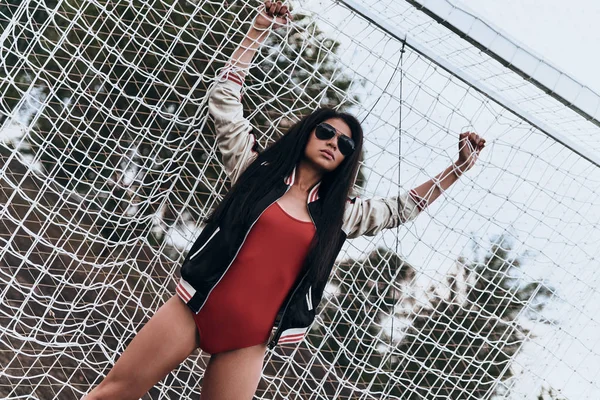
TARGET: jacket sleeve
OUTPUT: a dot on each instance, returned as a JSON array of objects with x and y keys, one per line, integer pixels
[
  {"x": 238, "y": 146},
  {"x": 371, "y": 216}
]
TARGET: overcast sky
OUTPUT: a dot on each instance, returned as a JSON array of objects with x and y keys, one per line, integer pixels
[{"x": 566, "y": 33}]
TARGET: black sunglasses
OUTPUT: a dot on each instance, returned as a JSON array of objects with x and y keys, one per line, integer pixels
[{"x": 325, "y": 131}]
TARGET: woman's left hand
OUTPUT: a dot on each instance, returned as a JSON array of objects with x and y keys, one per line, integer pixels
[{"x": 470, "y": 145}]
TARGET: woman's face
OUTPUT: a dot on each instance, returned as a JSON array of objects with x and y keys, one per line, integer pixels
[{"x": 325, "y": 154}]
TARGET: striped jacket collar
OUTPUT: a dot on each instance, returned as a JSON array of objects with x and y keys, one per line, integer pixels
[{"x": 313, "y": 195}]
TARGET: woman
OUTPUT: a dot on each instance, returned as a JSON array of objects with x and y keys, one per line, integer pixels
[{"x": 254, "y": 277}]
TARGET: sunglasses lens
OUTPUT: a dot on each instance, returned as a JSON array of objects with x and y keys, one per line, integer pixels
[
  {"x": 346, "y": 145},
  {"x": 324, "y": 132}
]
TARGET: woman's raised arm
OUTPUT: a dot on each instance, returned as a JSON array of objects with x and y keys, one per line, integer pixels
[
  {"x": 370, "y": 216},
  {"x": 271, "y": 15},
  {"x": 470, "y": 145},
  {"x": 234, "y": 139}
]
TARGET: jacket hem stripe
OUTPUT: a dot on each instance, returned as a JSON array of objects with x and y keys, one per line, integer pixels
[
  {"x": 292, "y": 335},
  {"x": 181, "y": 294},
  {"x": 298, "y": 335},
  {"x": 185, "y": 290},
  {"x": 291, "y": 339}
]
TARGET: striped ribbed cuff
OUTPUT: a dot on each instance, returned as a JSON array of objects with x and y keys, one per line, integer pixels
[{"x": 230, "y": 73}]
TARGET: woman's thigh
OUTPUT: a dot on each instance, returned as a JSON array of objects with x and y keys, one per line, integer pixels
[
  {"x": 233, "y": 375},
  {"x": 166, "y": 340}
]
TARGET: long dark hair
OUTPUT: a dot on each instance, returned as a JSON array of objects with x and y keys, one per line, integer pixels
[{"x": 281, "y": 157}]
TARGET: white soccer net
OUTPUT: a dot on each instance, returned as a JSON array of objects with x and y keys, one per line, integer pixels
[{"x": 108, "y": 163}]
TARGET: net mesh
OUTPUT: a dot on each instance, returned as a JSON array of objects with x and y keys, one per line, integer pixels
[{"x": 109, "y": 165}]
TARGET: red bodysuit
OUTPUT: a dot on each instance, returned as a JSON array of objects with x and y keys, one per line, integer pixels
[{"x": 241, "y": 309}]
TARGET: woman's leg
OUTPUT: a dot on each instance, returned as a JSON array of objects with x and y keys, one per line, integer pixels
[
  {"x": 233, "y": 375},
  {"x": 161, "y": 345}
]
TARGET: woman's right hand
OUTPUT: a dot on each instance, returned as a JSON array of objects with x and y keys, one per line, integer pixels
[{"x": 272, "y": 12}]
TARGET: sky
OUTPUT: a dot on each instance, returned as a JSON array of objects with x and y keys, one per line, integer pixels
[{"x": 566, "y": 33}]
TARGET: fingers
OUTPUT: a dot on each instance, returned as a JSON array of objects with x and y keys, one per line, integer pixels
[
  {"x": 476, "y": 141},
  {"x": 285, "y": 11},
  {"x": 277, "y": 9},
  {"x": 470, "y": 145}
]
